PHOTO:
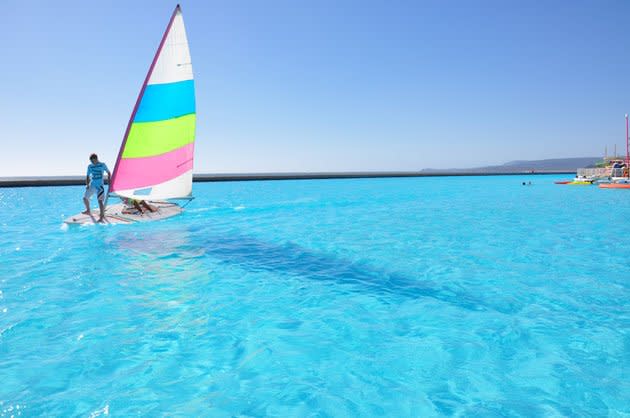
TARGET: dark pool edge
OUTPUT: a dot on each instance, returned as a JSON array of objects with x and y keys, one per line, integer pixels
[{"x": 202, "y": 178}]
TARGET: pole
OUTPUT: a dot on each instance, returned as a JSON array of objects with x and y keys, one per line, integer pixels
[{"x": 627, "y": 150}]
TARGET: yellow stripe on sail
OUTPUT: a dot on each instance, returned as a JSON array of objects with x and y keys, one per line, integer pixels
[{"x": 147, "y": 139}]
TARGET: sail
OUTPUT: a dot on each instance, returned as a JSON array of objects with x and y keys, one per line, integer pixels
[{"x": 155, "y": 160}]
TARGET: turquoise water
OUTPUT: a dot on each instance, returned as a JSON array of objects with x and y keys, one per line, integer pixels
[{"x": 470, "y": 296}]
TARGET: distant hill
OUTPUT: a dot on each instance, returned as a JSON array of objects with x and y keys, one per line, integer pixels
[{"x": 551, "y": 165}]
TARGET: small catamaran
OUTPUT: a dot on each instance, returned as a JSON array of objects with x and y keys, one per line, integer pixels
[{"x": 155, "y": 160}]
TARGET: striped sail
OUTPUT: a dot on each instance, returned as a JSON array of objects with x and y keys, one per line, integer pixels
[{"x": 155, "y": 160}]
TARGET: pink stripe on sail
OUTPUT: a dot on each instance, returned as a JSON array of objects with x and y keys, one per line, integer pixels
[{"x": 136, "y": 173}]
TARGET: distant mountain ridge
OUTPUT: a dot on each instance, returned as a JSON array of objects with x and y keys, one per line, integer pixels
[{"x": 552, "y": 164}]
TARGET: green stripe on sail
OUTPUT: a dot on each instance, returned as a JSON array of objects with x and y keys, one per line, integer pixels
[{"x": 147, "y": 139}]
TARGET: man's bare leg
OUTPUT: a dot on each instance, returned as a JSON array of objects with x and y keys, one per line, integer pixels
[
  {"x": 87, "y": 206},
  {"x": 149, "y": 207},
  {"x": 101, "y": 206}
]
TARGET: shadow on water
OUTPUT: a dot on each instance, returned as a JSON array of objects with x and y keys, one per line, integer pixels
[{"x": 254, "y": 254}]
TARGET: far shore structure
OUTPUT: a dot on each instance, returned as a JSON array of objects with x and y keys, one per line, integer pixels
[{"x": 611, "y": 173}]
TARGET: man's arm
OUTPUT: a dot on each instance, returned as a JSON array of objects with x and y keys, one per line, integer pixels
[{"x": 109, "y": 175}]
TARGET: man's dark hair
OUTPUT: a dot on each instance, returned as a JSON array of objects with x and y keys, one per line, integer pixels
[{"x": 93, "y": 156}]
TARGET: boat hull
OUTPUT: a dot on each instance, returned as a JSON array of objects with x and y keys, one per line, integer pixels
[
  {"x": 114, "y": 214},
  {"x": 615, "y": 186}
]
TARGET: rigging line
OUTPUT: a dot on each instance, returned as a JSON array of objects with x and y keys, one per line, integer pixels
[{"x": 187, "y": 203}]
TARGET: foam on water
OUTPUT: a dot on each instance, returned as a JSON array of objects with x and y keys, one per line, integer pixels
[{"x": 403, "y": 297}]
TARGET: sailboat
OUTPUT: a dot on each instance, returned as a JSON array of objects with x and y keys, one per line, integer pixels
[{"x": 155, "y": 160}]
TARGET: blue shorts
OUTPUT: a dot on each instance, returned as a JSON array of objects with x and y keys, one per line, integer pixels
[{"x": 93, "y": 189}]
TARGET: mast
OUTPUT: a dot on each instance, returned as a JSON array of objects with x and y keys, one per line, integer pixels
[
  {"x": 627, "y": 150},
  {"x": 144, "y": 86}
]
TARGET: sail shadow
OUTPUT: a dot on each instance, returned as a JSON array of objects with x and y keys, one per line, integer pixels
[{"x": 291, "y": 259}]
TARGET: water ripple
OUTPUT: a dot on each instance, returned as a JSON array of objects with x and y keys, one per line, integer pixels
[{"x": 398, "y": 297}]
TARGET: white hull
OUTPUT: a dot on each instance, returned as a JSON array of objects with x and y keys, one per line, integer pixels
[{"x": 114, "y": 214}]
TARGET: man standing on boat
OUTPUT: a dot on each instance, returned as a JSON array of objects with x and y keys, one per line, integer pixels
[{"x": 94, "y": 185}]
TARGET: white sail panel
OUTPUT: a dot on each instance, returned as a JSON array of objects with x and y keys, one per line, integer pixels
[{"x": 174, "y": 62}]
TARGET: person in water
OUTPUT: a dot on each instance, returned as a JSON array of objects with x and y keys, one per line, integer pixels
[
  {"x": 138, "y": 205},
  {"x": 94, "y": 185}
]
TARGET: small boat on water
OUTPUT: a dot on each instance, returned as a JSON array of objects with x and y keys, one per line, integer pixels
[
  {"x": 614, "y": 186},
  {"x": 578, "y": 181},
  {"x": 155, "y": 160},
  {"x": 581, "y": 181},
  {"x": 619, "y": 184}
]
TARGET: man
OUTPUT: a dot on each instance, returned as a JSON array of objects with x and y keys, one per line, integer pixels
[{"x": 94, "y": 185}]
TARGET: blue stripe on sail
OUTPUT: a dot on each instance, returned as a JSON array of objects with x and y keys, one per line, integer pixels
[
  {"x": 166, "y": 101},
  {"x": 143, "y": 192}
]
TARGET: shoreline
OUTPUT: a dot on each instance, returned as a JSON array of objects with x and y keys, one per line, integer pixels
[{"x": 44, "y": 181}]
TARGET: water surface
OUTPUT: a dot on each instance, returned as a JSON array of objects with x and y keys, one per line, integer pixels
[{"x": 401, "y": 297}]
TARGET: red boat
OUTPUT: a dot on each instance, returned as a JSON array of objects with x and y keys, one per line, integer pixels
[
  {"x": 614, "y": 186},
  {"x": 563, "y": 182}
]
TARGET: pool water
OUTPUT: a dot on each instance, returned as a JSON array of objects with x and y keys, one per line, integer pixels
[{"x": 466, "y": 296}]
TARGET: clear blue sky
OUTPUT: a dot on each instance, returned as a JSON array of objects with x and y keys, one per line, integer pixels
[{"x": 322, "y": 85}]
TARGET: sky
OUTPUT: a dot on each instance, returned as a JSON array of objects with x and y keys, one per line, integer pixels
[{"x": 326, "y": 85}]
